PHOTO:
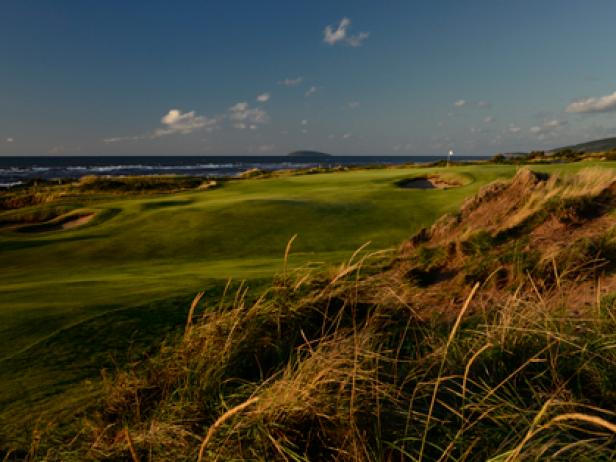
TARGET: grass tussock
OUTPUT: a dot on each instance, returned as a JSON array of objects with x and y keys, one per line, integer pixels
[
  {"x": 521, "y": 381},
  {"x": 149, "y": 183},
  {"x": 495, "y": 355}
]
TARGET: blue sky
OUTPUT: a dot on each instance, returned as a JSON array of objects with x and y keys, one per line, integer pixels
[{"x": 345, "y": 77}]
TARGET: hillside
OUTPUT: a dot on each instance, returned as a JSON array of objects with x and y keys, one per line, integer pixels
[
  {"x": 605, "y": 144},
  {"x": 487, "y": 336}
]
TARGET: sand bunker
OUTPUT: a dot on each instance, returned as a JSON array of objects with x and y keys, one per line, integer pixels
[
  {"x": 425, "y": 182},
  {"x": 78, "y": 220},
  {"x": 59, "y": 224}
]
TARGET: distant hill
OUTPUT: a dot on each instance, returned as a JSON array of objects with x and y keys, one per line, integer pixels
[
  {"x": 311, "y": 154},
  {"x": 604, "y": 144}
]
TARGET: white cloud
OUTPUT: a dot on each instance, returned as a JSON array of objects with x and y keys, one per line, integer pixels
[
  {"x": 332, "y": 36},
  {"x": 9, "y": 140},
  {"x": 311, "y": 91},
  {"x": 353, "y": 104},
  {"x": 174, "y": 122},
  {"x": 304, "y": 122},
  {"x": 356, "y": 40},
  {"x": 483, "y": 104},
  {"x": 244, "y": 116},
  {"x": 264, "y": 97},
  {"x": 117, "y": 139},
  {"x": 346, "y": 136},
  {"x": 460, "y": 103},
  {"x": 488, "y": 120},
  {"x": 291, "y": 82},
  {"x": 513, "y": 129},
  {"x": 605, "y": 103},
  {"x": 547, "y": 128}
]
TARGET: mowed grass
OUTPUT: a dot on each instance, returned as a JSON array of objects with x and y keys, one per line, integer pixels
[{"x": 75, "y": 301}]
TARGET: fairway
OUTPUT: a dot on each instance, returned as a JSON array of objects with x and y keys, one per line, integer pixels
[{"x": 76, "y": 300}]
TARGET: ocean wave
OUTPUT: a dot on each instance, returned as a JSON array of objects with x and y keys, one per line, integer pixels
[
  {"x": 142, "y": 167},
  {"x": 14, "y": 170},
  {"x": 10, "y": 184}
]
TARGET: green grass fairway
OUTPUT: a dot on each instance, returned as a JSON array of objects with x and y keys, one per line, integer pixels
[{"x": 73, "y": 301}]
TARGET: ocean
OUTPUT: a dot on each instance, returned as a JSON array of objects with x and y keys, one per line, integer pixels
[{"x": 18, "y": 170}]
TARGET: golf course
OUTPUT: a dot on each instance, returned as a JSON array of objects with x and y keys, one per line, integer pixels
[{"x": 75, "y": 300}]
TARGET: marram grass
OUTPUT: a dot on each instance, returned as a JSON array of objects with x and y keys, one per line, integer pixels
[{"x": 504, "y": 351}]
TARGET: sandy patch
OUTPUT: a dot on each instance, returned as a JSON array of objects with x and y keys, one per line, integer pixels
[
  {"x": 79, "y": 220},
  {"x": 426, "y": 182},
  {"x": 59, "y": 224}
]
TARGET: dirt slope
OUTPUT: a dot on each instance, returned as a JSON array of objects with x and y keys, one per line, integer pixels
[{"x": 559, "y": 229}]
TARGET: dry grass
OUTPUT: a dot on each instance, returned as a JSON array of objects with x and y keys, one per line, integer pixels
[
  {"x": 376, "y": 385},
  {"x": 363, "y": 365}
]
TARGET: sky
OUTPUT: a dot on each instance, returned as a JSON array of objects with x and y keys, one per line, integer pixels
[{"x": 231, "y": 77}]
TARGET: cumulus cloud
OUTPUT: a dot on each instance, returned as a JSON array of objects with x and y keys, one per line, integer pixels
[
  {"x": 332, "y": 35},
  {"x": 245, "y": 117},
  {"x": 174, "y": 122},
  {"x": 264, "y": 97},
  {"x": 513, "y": 129},
  {"x": 311, "y": 91},
  {"x": 117, "y": 139},
  {"x": 460, "y": 103},
  {"x": 346, "y": 136},
  {"x": 304, "y": 122},
  {"x": 605, "y": 103},
  {"x": 547, "y": 128},
  {"x": 291, "y": 82},
  {"x": 9, "y": 140},
  {"x": 357, "y": 40},
  {"x": 353, "y": 104}
]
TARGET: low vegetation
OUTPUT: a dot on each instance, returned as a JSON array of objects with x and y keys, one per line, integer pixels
[
  {"x": 98, "y": 294},
  {"x": 584, "y": 152},
  {"x": 487, "y": 336}
]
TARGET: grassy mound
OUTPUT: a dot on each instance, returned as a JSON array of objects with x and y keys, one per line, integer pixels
[
  {"x": 151, "y": 183},
  {"x": 488, "y": 336}
]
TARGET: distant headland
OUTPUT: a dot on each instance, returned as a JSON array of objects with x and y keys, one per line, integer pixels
[{"x": 311, "y": 154}]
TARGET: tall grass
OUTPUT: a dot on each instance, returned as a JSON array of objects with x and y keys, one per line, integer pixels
[
  {"x": 362, "y": 364},
  {"x": 299, "y": 376}
]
